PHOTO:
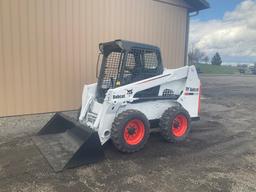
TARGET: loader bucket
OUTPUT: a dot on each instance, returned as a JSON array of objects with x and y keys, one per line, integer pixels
[{"x": 66, "y": 143}]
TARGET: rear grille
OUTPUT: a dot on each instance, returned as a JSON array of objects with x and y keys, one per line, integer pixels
[{"x": 90, "y": 118}]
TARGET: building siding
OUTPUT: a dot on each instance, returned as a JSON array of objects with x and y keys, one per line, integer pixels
[{"x": 49, "y": 48}]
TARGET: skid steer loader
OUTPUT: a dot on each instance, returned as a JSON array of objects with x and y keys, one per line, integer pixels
[{"x": 134, "y": 92}]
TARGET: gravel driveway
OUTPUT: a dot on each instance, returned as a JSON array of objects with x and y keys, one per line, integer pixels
[{"x": 219, "y": 155}]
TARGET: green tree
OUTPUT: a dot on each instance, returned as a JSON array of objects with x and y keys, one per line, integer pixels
[
  {"x": 206, "y": 59},
  {"x": 216, "y": 60}
]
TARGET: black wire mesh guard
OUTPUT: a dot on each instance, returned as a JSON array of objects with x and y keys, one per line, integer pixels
[{"x": 121, "y": 68}]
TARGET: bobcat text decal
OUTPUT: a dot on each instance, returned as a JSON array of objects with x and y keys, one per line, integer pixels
[
  {"x": 118, "y": 96},
  {"x": 191, "y": 91}
]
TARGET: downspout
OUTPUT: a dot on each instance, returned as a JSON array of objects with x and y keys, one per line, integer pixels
[
  {"x": 195, "y": 14},
  {"x": 187, "y": 35}
]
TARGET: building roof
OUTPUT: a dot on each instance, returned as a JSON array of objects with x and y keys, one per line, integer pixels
[{"x": 197, "y": 5}]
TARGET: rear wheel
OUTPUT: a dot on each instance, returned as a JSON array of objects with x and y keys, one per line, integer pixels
[
  {"x": 130, "y": 131},
  {"x": 175, "y": 124}
]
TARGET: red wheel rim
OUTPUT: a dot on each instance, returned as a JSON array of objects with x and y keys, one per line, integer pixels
[
  {"x": 134, "y": 132},
  {"x": 179, "y": 125}
]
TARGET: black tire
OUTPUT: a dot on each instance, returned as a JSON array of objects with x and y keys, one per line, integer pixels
[
  {"x": 167, "y": 124},
  {"x": 119, "y": 129}
]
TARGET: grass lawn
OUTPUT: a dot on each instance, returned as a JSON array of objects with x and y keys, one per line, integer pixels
[{"x": 213, "y": 69}]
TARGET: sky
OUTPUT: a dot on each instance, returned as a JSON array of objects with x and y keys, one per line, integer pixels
[{"x": 228, "y": 27}]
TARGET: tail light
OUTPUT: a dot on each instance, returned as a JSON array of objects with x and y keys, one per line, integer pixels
[{"x": 199, "y": 97}]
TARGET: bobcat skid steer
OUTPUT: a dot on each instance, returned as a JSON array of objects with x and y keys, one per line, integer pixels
[{"x": 134, "y": 92}]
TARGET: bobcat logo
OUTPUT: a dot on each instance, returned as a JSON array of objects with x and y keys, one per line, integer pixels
[{"x": 129, "y": 92}]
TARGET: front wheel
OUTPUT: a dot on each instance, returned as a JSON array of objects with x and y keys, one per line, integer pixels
[
  {"x": 175, "y": 124},
  {"x": 130, "y": 131}
]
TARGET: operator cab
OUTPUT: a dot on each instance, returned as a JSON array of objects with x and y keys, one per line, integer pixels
[{"x": 126, "y": 62}]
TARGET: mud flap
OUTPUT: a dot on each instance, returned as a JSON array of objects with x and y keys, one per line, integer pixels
[{"x": 66, "y": 143}]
